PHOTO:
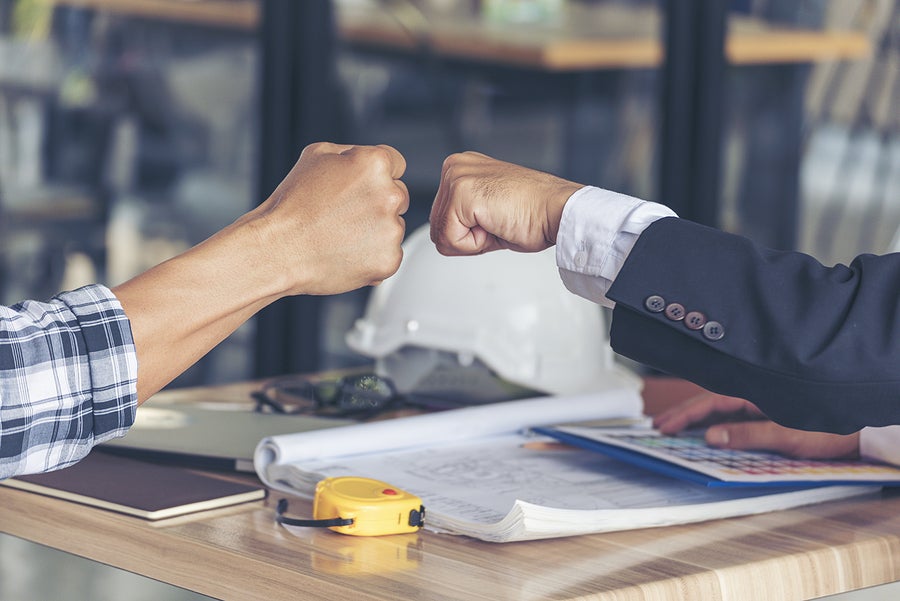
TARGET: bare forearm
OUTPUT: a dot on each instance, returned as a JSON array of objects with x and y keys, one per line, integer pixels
[
  {"x": 181, "y": 309},
  {"x": 333, "y": 224}
]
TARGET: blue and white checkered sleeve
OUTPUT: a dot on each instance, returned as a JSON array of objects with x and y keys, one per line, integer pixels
[{"x": 68, "y": 379}]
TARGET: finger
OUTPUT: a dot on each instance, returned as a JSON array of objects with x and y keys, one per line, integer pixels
[
  {"x": 706, "y": 404},
  {"x": 403, "y": 206},
  {"x": 696, "y": 410},
  {"x": 396, "y": 160},
  {"x": 483, "y": 241},
  {"x": 450, "y": 235},
  {"x": 759, "y": 436},
  {"x": 467, "y": 237},
  {"x": 438, "y": 216},
  {"x": 440, "y": 208},
  {"x": 769, "y": 436}
]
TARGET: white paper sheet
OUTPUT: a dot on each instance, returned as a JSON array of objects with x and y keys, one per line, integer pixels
[
  {"x": 516, "y": 487},
  {"x": 447, "y": 426}
]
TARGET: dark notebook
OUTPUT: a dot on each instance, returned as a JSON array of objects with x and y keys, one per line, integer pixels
[{"x": 138, "y": 488}]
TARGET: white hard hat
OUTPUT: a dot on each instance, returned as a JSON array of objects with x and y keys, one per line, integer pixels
[{"x": 507, "y": 310}]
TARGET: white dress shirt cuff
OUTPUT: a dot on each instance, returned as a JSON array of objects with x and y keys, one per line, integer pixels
[
  {"x": 880, "y": 444},
  {"x": 597, "y": 231}
]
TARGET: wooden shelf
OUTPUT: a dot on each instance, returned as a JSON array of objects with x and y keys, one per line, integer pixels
[{"x": 608, "y": 38}]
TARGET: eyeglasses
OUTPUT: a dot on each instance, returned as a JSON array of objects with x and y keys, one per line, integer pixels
[
  {"x": 368, "y": 395},
  {"x": 356, "y": 396}
]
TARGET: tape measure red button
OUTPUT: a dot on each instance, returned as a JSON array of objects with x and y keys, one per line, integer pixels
[{"x": 389, "y": 491}]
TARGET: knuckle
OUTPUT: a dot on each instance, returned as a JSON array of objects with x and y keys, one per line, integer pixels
[
  {"x": 315, "y": 147},
  {"x": 395, "y": 199},
  {"x": 458, "y": 186},
  {"x": 439, "y": 232},
  {"x": 446, "y": 249},
  {"x": 455, "y": 163},
  {"x": 388, "y": 264},
  {"x": 379, "y": 157},
  {"x": 453, "y": 159}
]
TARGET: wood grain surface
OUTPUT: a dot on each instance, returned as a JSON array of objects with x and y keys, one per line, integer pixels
[{"x": 241, "y": 553}]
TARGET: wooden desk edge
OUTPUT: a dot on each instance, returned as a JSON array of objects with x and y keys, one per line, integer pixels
[{"x": 215, "y": 561}]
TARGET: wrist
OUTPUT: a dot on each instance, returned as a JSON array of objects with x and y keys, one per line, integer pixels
[
  {"x": 252, "y": 240},
  {"x": 554, "y": 209}
]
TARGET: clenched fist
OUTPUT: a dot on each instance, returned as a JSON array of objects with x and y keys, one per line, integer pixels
[
  {"x": 484, "y": 204},
  {"x": 335, "y": 223}
]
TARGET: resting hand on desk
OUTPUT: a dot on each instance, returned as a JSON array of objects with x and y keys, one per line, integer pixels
[{"x": 747, "y": 428}]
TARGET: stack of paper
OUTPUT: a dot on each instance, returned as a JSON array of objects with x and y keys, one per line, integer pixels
[{"x": 480, "y": 476}]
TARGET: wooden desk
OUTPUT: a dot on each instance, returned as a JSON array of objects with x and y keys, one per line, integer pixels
[{"x": 240, "y": 553}]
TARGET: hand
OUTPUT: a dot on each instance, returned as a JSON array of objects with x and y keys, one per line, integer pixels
[
  {"x": 752, "y": 431},
  {"x": 483, "y": 204},
  {"x": 334, "y": 224}
]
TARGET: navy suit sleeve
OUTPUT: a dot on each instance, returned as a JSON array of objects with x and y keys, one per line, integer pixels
[{"x": 813, "y": 347}]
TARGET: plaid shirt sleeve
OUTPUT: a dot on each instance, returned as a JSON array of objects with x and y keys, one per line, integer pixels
[{"x": 68, "y": 379}]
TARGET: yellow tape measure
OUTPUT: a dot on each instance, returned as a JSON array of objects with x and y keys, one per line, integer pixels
[{"x": 361, "y": 507}]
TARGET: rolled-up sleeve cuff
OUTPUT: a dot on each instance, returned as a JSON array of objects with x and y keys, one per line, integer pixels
[
  {"x": 880, "y": 444},
  {"x": 112, "y": 358}
]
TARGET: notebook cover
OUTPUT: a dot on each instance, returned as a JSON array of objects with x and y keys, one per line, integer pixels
[
  {"x": 203, "y": 438},
  {"x": 137, "y": 487}
]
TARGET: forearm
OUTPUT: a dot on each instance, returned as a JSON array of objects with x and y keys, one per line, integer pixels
[
  {"x": 182, "y": 308},
  {"x": 333, "y": 224},
  {"x": 72, "y": 371},
  {"x": 814, "y": 347}
]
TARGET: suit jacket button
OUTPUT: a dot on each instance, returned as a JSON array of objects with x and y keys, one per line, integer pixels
[
  {"x": 713, "y": 330},
  {"x": 675, "y": 311},
  {"x": 655, "y": 303},
  {"x": 695, "y": 320}
]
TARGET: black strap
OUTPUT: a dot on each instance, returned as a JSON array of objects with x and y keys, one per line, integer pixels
[{"x": 281, "y": 519}]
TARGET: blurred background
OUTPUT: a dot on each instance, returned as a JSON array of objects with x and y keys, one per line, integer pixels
[{"x": 133, "y": 129}]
